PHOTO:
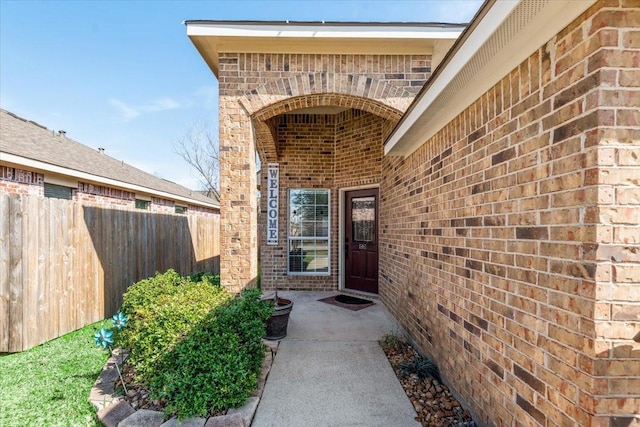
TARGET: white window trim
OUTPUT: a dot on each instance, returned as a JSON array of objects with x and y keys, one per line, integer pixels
[{"x": 328, "y": 238}]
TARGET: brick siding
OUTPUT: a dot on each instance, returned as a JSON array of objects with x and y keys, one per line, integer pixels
[
  {"x": 105, "y": 196},
  {"x": 319, "y": 151},
  {"x": 202, "y": 211},
  {"x": 18, "y": 181},
  {"x": 161, "y": 205},
  {"x": 509, "y": 239}
]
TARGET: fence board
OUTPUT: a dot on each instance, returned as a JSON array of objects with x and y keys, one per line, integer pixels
[
  {"x": 5, "y": 266},
  {"x": 43, "y": 273},
  {"x": 64, "y": 265},
  {"x": 15, "y": 272}
]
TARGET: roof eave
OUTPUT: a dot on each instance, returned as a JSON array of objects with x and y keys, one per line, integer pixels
[
  {"x": 47, "y": 167},
  {"x": 483, "y": 55},
  {"x": 211, "y": 38}
]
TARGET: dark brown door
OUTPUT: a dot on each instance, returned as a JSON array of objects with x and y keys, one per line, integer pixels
[{"x": 361, "y": 240}]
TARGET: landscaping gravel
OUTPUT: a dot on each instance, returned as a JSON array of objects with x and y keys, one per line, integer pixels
[{"x": 432, "y": 400}]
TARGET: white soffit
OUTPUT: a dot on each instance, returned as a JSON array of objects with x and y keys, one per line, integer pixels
[{"x": 507, "y": 34}]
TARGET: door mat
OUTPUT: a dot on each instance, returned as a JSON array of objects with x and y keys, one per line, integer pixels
[{"x": 348, "y": 302}]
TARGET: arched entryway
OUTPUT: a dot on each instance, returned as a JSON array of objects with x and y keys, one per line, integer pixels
[
  {"x": 323, "y": 120},
  {"x": 328, "y": 152}
]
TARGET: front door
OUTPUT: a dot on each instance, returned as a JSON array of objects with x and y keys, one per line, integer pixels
[{"x": 361, "y": 240}]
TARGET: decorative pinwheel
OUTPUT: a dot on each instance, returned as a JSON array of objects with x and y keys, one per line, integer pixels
[
  {"x": 119, "y": 320},
  {"x": 103, "y": 338}
]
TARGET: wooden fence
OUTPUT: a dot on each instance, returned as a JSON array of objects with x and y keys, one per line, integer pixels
[{"x": 64, "y": 265}]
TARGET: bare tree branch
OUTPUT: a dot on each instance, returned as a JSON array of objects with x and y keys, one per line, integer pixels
[{"x": 199, "y": 148}]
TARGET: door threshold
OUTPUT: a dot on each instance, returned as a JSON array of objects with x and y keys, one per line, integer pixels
[{"x": 357, "y": 293}]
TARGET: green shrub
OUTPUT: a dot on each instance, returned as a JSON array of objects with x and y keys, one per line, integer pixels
[
  {"x": 421, "y": 366},
  {"x": 204, "y": 276},
  {"x": 196, "y": 346},
  {"x": 393, "y": 342},
  {"x": 216, "y": 365},
  {"x": 161, "y": 310}
]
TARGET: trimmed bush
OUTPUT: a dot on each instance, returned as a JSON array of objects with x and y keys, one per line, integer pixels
[
  {"x": 217, "y": 364},
  {"x": 196, "y": 346},
  {"x": 161, "y": 310}
]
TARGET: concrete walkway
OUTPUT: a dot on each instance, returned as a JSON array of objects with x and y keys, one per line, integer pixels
[{"x": 330, "y": 370}]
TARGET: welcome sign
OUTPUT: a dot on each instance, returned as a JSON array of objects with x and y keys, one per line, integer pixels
[{"x": 273, "y": 187}]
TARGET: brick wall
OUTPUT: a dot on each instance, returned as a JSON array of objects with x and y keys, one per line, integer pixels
[
  {"x": 161, "y": 205},
  {"x": 613, "y": 35},
  {"x": 307, "y": 144},
  {"x": 18, "y": 181},
  {"x": 202, "y": 211},
  {"x": 358, "y": 153},
  {"x": 105, "y": 196},
  {"x": 509, "y": 240},
  {"x": 241, "y": 73},
  {"x": 319, "y": 151}
]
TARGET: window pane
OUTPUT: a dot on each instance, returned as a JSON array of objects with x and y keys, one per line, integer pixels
[
  {"x": 294, "y": 229},
  {"x": 308, "y": 213},
  {"x": 319, "y": 265},
  {"x": 322, "y": 229},
  {"x": 322, "y": 197},
  {"x": 363, "y": 219},
  {"x": 57, "y": 191},
  {"x": 308, "y": 256},
  {"x": 309, "y": 231},
  {"x": 142, "y": 204}
]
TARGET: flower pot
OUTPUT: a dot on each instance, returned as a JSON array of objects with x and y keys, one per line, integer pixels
[{"x": 277, "y": 323}]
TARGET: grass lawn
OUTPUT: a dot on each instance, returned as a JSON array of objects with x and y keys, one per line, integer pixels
[{"x": 49, "y": 384}]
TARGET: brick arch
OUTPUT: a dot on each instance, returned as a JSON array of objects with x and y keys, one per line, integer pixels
[
  {"x": 264, "y": 120},
  {"x": 328, "y": 99},
  {"x": 326, "y": 84}
]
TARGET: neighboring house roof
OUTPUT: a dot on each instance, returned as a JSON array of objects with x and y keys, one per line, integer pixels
[
  {"x": 500, "y": 37},
  {"x": 27, "y": 143},
  {"x": 211, "y": 194}
]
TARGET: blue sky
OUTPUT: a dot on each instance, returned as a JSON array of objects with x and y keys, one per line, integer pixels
[{"x": 124, "y": 76}]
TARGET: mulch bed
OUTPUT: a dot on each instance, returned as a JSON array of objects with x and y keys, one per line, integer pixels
[
  {"x": 138, "y": 394},
  {"x": 432, "y": 400}
]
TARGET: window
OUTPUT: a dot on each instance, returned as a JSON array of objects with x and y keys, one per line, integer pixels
[
  {"x": 58, "y": 191},
  {"x": 142, "y": 204},
  {"x": 181, "y": 210},
  {"x": 308, "y": 231}
]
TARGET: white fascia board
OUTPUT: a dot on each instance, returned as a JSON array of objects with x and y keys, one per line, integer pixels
[
  {"x": 306, "y": 31},
  {"x": 487, "y": 26},
  {"x": 431, "y": 112},
  {"x": 47, "y": 167}
]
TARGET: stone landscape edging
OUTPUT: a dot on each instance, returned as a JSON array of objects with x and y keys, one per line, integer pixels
[{"x": 115, "y": 411}]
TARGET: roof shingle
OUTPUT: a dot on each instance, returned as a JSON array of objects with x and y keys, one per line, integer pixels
[{"x": 28, "y": 139}]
